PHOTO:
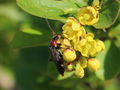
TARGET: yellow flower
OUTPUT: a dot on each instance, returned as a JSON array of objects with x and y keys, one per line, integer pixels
[
  {"x": 100, "y": 45},
  {"x": 93, "y": 50},
  {"x": 70, "y": 67},
  {"x": 93, "y": 64},
  {"x": 69, "y": 55},
  {"x": 72, "y": 30},
  {"x": 65, "y": 43},
  {"x": 97, "y": 46},
  {"x": 96, "y": 4},
  {"x": 86, "y": 45},
  {"x": 79, "y": 71},
  {"x": 89, "y": 37},
  {"x": 87, "y": 15}
]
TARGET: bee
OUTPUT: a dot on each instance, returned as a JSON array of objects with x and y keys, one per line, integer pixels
[{"x": 56, "y": 54}]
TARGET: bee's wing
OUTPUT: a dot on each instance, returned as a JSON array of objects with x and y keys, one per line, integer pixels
[{"x": 57, "y": 58}]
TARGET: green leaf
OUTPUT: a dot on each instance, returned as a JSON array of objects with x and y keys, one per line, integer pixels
[
  {"x": 108, "y": 16},
  {"x": 31, "y": 31},
  {"x": 109, "y": 61},
  {"x": 11, "y": 11},
  {"x": 66, "y": 75},
  {"x": 31, "y": 64},
  {"x": 117, "y": 41},
  {"x": 81, "y": 3},
  {"x": 115, "y": 31},
  {"x": 31, "y": 39},
  {"x": 9, "y": 17},
  {"x": 51, "y": 9},
  {"x": 6, "y": 24},
  {"x": 52, "y": 71}
]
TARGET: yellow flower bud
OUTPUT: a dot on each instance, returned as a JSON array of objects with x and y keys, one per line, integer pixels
[
  {"x": 87, "y": 15},
  {"x": 79, "y": 71},
  {"x": 69, "y": 55},
  {"x": 70, "y": 67},
  {"x": 99, "y": 45},
  {"x": 89, "y": 37},
  {"x": 96, "y": 4},
  {"x": 93, "y": 64}
]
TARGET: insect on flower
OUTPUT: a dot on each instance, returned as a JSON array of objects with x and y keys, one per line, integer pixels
[{"x": 55, "y": 51}]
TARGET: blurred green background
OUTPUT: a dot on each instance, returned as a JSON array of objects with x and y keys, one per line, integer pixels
[{"x": 28, "y": 68}]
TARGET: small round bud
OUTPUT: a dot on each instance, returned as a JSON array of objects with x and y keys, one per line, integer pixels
[
  {"x": 79, "y": 71},
  {"x": 70, "y": 67},
  {"x": 96, "y": 4},
  {"x": 93, "y": 64},
  {"x": 69, "y": 55}
]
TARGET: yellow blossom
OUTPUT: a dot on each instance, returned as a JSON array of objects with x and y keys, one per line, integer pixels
[
  {"x": 89, "y": 37},
  {"x": 72, "y": 30},
  {"x": 69, "y": 55},
  {"x": 65, "y": 43},
  {"x": 87, "y": 15},
  {"x": 93, "y": 50},
  {"x": 70, "y": 67},
  {"x": 100, "y": 45},
  {"x": 88, "y": 46},
  {"x": 93, "y": 64},
  {"x": 83, "y": 41},
  {"x": 79, "y": 71},
  {"x": 96, "y": 4}
]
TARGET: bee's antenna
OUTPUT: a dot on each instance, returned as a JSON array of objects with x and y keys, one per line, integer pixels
[{"x": 50, "y": 26}]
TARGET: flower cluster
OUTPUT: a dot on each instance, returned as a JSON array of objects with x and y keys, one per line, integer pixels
[
  {"x": 81, "y": 40},
  {"x": 77, "y": 46}
]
